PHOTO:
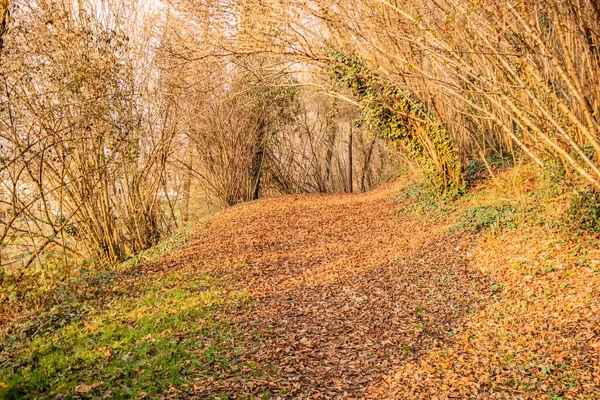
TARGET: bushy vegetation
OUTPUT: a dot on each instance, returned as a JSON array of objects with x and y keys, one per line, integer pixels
[
  {"x": 584, "y": 211},
  {"x": 421, "y": 202},
  {"x": 498, "y": 216},
  {"x": 397, "y": 115},
  {"x": 123, "y": 122},
  {"x": 503, "y": 197}
]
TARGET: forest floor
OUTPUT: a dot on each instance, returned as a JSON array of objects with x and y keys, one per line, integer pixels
[{"x": 322, "y": 297}]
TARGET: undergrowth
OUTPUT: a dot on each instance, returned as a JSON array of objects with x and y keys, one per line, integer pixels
[
  {"x": 165, "y": 337},
  {"x": 584, "y": 211},
  {"x": 473, "y": 212},
  {"x": 478, "y": 170},
  {"x": 511, "y": 197},
  {"x": 497, "y": 216},
  {"x": 422, "y": 203},
  {"x": 48, "y": 285},
  {"x": 128, "y": 332}
]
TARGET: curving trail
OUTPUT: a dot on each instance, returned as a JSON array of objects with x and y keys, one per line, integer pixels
[
  {"x": 348, "y": 299},
  {"x": 343, "y": 289}
]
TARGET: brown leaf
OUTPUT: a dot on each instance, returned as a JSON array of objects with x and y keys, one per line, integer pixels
[{"x": 83, "y": 388}]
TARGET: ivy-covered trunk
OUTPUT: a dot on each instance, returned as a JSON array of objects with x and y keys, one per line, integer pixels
[{"x": 398, "y": 115}]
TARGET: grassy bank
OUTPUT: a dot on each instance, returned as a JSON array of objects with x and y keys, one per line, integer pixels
[{"x": 136, "y": 332}]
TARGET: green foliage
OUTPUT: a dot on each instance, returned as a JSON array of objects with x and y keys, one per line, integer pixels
[
  {"x": 475, "y": 170},
  {"x": 396, "y": 114},
  {"x": 496, "y": 216},
  {"x": 160, "y": 338},
  {"x": 423, "y": 204},
  {"x": 69, "y": 229},
  {"x": 583, "y": 213},
  {"x": 554, "y": 179}
]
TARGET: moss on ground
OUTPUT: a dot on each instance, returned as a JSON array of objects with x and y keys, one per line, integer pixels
[{"x": 160, "y": 335}]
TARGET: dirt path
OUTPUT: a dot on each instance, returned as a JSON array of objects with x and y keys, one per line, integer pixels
[
  {"x": 344, "y": 290},
  {"x": 349, "y": 299}
]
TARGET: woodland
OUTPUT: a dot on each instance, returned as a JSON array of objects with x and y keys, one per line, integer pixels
[{"x": 320, "y": 199}]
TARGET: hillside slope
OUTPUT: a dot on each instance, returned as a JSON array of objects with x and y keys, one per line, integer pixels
[
  {"x": 330, "y": 296},
  {"x": 343, "y": 288}
]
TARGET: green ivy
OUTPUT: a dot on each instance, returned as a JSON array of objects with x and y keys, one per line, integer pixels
[
  {"x": 396, "y": 114},
  {"x": 583, "y": 213}
]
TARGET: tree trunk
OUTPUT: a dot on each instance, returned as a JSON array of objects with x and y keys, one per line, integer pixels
[
  {"x": 3, "y": 21},
  {"x": 257, "y": 160},
  {"x": 350, "y": 161},
  {"x": 187, "y": 184},
  {"x": 366, "y": 165},
  {"x": 330, "y": 143}
]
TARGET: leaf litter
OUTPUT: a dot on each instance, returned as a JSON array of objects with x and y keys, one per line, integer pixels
[
  {"x": 349, "y": 299},
  {"x": 343, "y": 289},
  {"x": 353, "y": 300}
]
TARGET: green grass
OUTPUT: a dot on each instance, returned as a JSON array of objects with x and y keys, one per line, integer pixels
[
  {"x": 40, "y": 285},
  {"x": 420, "y": 202},
  {"x": 163, "y": 338},
  {"x": 473, "y": 211},
  {"x": 499, "y": 215}
]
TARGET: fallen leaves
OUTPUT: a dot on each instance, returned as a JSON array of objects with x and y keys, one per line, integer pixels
[
  {"x": 84, "y": 388},
  {"x": 534, "y": 340},
  {"x": 335, "y": 281},
  {"x": 348, "y": 300},
  {"x": 351, "y": 301},
  {"x": 149, "y": 338}
]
